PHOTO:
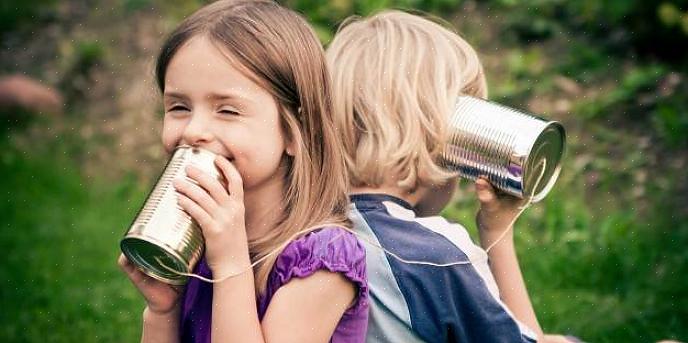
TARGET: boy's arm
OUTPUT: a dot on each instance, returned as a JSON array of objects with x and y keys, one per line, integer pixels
[
  {"x": 495, "y": 216},
  {"x": 507, "y": 273}
]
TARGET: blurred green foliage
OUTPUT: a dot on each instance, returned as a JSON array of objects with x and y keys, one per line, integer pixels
[
  {"x": 654, "y": 28},
  {"x": 59, "y": 273},
  {"x": 17, "y": 14}
]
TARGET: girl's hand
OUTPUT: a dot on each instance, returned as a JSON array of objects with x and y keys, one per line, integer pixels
[
  {"x": 219, "y": 211},
  {"x": 161, "y": 298},
  {"x": 497, "y": 209}
]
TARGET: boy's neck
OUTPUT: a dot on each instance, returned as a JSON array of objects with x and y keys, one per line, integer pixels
[
  {"x": 427, "y": 201},
  {"x": 410, "y": 197}
]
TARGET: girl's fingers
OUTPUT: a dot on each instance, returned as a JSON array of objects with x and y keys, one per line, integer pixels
[
  {"x": 196, "y": 193},
  {"x": 136, "y": 276},
  {"x": 195, "y": 211},
  {"x": 124, "y": 263},
  {"x": 208, "y": 183},
  {"x": 235, "y": 184}
]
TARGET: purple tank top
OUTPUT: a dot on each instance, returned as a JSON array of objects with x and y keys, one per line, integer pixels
[{"x": 330, "y": 248}]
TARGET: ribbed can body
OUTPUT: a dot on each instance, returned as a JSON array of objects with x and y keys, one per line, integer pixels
[
  {"x": 510, "y": 148},
  {"x": 162, "y": 232}
]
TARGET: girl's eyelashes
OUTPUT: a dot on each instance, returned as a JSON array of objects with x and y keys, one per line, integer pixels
[
  {"x": 181, "y": 109},
  {"x": 228, "y": 111},
  {"x": 231, "y": 111},
  {"x": 177, "y": 108}
]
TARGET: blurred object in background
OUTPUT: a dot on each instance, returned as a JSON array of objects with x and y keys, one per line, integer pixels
[{"x": 21, "y": 95}]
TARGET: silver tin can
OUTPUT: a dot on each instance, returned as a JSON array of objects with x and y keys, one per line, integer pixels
[
  {"x": 517, "y": 152},
  {"x": 162, "y": 232}
]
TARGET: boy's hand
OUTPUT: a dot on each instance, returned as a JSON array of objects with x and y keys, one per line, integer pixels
[
  {"x": 497, "y": 209},
  {"x": 550, "y": 338},
  {"x": 161, "y": 298}
]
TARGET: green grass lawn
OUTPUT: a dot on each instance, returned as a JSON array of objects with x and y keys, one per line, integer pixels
[{"x": 59, "y": 237}]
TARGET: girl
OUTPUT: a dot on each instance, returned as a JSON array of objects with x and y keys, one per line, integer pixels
[{"x": 248, "y": 81}]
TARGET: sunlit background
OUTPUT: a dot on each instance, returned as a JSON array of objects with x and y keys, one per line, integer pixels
[{"x": 605, "y": 255}]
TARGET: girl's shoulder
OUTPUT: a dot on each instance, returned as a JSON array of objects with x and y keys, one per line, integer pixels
[{"x": 330, "y": 247}]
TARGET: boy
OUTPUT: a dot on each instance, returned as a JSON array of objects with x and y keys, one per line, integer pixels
[{"x": 396, "y": 78}]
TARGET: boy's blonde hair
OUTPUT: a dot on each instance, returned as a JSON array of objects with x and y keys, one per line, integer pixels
[
  {"x": 396, "y": 78},
  {"x": 277, "y": 49}
]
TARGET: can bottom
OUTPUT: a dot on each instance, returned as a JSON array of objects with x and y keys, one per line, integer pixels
[{"x": 148, "y": 256}]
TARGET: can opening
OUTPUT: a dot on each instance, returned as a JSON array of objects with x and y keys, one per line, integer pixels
[
  {"x": 146, "y": 255},
  {"x": 549, "y": 150}
]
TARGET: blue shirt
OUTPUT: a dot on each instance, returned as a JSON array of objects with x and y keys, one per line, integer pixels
[{"x": 420, "y": 303}]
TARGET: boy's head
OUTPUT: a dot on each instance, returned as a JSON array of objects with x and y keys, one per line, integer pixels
[{"x": 396, "y": 77}]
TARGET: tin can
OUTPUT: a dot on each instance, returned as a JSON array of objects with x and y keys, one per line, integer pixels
[
  {"x": 162, "y": 233},
  {"x": 517, "y": 152}
]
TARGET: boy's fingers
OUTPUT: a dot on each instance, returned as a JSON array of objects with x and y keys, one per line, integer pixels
[{"x": 484, "y": 191}]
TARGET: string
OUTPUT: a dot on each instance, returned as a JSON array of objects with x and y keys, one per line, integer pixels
[{"x": 367, "y": 240}]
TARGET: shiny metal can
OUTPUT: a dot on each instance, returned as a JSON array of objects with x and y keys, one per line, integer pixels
[
  {"x": 517, "y": 152},
  {"x": 162, "y": 232}
]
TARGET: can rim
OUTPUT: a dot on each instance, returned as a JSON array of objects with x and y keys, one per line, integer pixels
[
  {"x": 181, "y": 280},
  {"x": 555, "y": 174},
  {"x": 194, "y": 148}
]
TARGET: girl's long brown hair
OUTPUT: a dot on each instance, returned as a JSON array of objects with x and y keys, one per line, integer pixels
[{"x": 277, "y": 49}]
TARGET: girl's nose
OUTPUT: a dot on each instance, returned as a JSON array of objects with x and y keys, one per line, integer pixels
[{"x": 197, "y": 132}]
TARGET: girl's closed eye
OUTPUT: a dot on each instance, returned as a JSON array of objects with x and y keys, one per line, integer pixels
[
  {"x": 177, "y": 108},
  {"x": 232, "y": 111}
]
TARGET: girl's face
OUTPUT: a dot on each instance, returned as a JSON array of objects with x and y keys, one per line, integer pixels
[{"x": 209, "y": 103}]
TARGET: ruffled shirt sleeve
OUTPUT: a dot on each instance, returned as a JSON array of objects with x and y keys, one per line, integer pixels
[{"x": 331, "y": 249}]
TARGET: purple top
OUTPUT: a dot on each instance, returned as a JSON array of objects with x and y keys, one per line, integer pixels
[{"x": 330, "y": 248}]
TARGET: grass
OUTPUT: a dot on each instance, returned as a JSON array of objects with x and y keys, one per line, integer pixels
[{"x": 60, "y": 237}]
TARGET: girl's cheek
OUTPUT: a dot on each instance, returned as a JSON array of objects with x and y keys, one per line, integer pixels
[{"x": 170, "y": 137}]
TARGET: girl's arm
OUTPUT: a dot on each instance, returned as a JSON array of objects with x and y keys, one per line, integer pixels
[
  {"x": 303, "y": 310},
  {"x": 161, "y": 315},
  {"x": 494, "y": 217},
  {"x": 160, "y": 327}
]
